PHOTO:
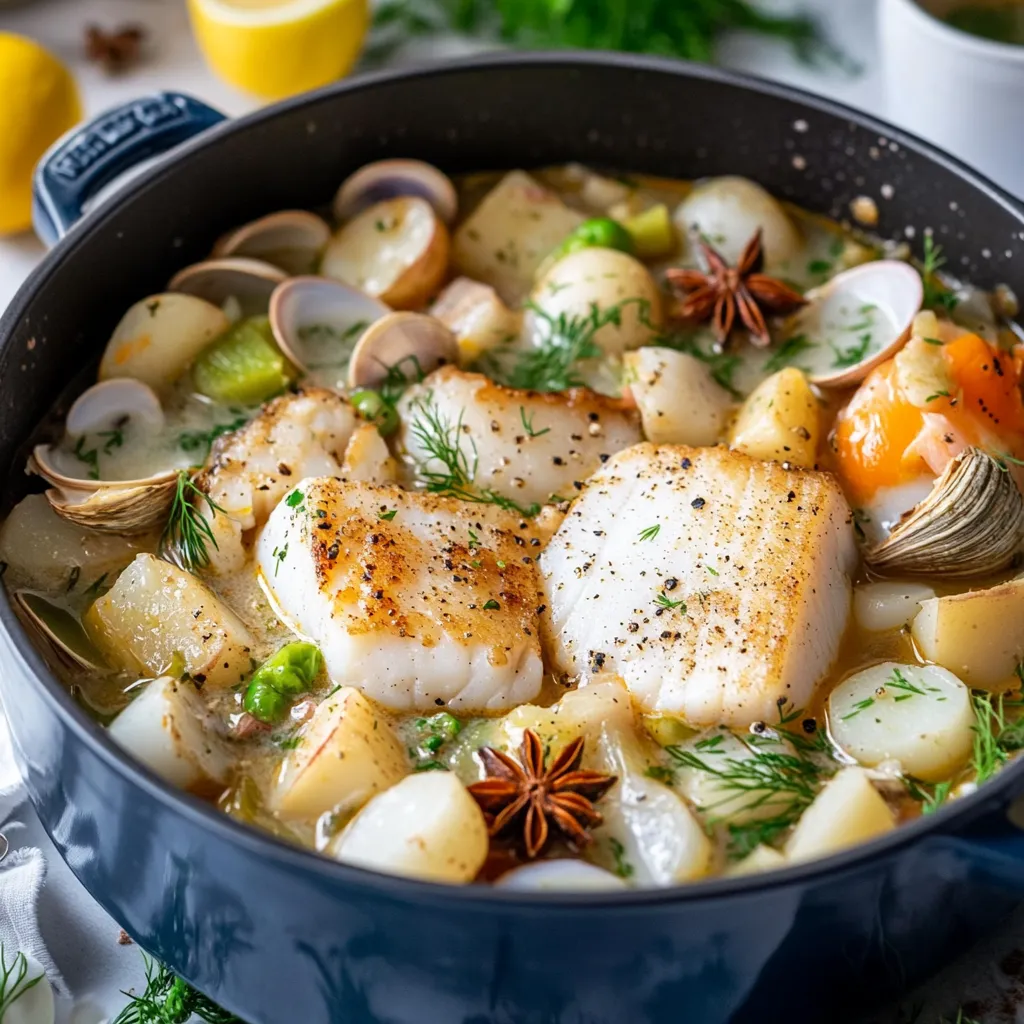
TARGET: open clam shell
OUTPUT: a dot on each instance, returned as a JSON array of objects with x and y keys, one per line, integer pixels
[
  {"x": 388, "y": 179},
  {"x": 414, "y": 344},
  {"x": 971, "y": 524},
  {"x": 110, "y": 403},
  {"x": 61, "y": 629},
  {"x": 855, "y": 321},
  {"x": 289, "y": 239},
  {"x": 127, "y": 507},
  {"x": 234, "y": 283},
  {"x": 317, "y": 323}
]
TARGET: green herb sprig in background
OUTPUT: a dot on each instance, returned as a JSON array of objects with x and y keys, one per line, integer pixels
[{"x": 691, "y": 29}]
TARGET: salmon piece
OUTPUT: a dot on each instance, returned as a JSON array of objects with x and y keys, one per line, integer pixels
[
  {"x": 418, "y": 600},
  {"x": 715, "y": 584}
]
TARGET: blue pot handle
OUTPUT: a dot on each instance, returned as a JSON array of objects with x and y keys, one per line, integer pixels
[{"x": 90, "y": 156}]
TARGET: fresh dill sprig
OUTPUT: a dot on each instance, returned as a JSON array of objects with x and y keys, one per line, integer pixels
[
  {"x": 987, "y": 755},
  {"x": 528, "y": 424},
  {"x": 649, "y": 532},
  {"x": 167, "y": 999},
  {"x": 852, "y": 354},
  {"x": 937, "y": 295},
  {"x": 13, "y": 983},
  {"x": 441, "y": 441},
  {"x": 721, "y": 365},
  {"x": 662, "y": 600},
  {"x": 187, "y": 531},
  {"x": 566, "y": 340}
]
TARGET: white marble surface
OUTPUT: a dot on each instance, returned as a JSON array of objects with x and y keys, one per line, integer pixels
[{"x": 83, "y": 940}]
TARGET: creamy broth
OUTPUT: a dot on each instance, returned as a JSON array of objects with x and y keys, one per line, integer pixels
[{"x": 308, "y": 565}]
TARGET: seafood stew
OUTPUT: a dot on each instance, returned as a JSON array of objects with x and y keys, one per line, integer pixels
[{"x": 558, "y": 529}]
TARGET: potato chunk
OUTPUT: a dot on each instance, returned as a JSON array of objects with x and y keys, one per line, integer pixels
[
  {"x": 346, "y": 754},
  {"x": 504, "y": 240},
  {"x": 396, "y": 251},
  {"x": 979, "y": 636},
  {"x": 761, "y": 858},
  {"x": 427, "y": 826},
  {"x": 919, "y": 715},
  {"x": 679, "y": 401},
  {"x": 848, "y": 811},
  {"x": 156, "y": 615},
  {"x": 168, "y": 729},
  {"x": 779, "y": 421}
]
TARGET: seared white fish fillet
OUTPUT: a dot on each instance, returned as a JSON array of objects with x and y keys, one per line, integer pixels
[
  {"x": 715, "y": 584},
  {"x": 419, "y": 601},
  {"x": 523, "y": 445},
  {"x": 252, "y": 469}
]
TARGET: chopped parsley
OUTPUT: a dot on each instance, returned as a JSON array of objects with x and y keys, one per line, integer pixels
[
  {"x": 622, "y": 866},
  {"x": 852, "y": 354},
  {"x": 202, "y": 440},
  {"x": 294, "y": 499},
  {"x": 388, "y": 515},
  {"x": 490, "y": 605},
  {"x": 788, "y": 352}
]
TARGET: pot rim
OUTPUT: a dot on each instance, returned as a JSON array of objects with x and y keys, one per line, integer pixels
[{"x": 485, "y": 898}]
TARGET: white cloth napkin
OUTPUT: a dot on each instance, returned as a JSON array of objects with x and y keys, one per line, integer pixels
[{"x": 22, "y": 872}]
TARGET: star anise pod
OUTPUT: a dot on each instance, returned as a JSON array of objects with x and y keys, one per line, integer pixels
[
  {"x": 528, "y": 795},
  {"x": 115, "y": 50},
  {"x": 723, "y": 293}
]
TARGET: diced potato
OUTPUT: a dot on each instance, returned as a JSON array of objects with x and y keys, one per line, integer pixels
[
  {"x": 476, "y": 316},
  {"x": 728, "y": 210},
  {"x": 157, "y": 615},
  {"x": 158, "y": 338},
  {"x": 42, "y": 549},
  {"x": 779, "y": 421},
  {"x": 427, "y": 826},
  {"x": 978, "y": 636},
  {"x": 716, "y": 799},
  {"x": 848, "y": 811},
  {"x": 397, "y": 251},
  {"x": 879, "y": 607},
  {"x": 367, "y": 457},
  {"x": 604, "y": 279},
  {"x": 168, "y": 729},
  {"x": 761, "y": 858},
  {"x": 345, "y": 755},
  {"x": 504, "y": 240},
  {"x": 919, "y": 715},
  {"x": 660, "y": 841},
  {"x": 679, "y": 401}
]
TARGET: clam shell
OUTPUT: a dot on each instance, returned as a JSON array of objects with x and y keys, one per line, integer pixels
[
  {"x": 229, "y": 280},
  {"x": 875, "y": 301},
  {"x": 412, "y": 340},
  {"x": 301, "y": 305},
  {"x": 388, "y": 179},
  {"x": 289, "y": 239},
  {"x": 971, "y": 524},
  {"x": 116, "y": 508},
  {"x": 61, "y": 629},
  {"x": 105, "y": 404}
]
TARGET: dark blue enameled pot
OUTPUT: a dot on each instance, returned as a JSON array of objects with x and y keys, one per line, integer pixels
[{"x": 284, "y": 937}]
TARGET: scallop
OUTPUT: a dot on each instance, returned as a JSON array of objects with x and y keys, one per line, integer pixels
[
  {"x": 857, "y": 320},
  {"x": 918, "y": 715},
  {"x": 729, "y": 210},
  {"x": 390, "y": 179},
  {"x": 971, "y": 524},
  {"x": 158, "y": 338},
  {"x": 396, "y": 251},
  {"x": 289, "y": 239},
  {"x": 236, "y": 284},
  {"x": 879, "y": 607},
  {"x": 317, "y": 323}
]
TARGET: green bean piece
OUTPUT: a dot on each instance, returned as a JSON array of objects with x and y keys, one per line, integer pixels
[{"x": 286, "y": 674}]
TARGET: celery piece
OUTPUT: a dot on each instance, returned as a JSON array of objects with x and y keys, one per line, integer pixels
[{"x": 243, "y": 365}]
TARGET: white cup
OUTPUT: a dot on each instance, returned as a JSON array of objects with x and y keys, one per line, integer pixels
[{"x": 964, "y": 93}]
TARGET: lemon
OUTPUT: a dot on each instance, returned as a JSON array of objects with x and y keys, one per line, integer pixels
[
  {"x": 276, "y": 48},
  {"x": 38, "y": 103}
]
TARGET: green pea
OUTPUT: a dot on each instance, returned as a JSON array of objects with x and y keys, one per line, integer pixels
[
  {"x": 596, "y": 233},
  {"x": 372, "y": 406}
]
